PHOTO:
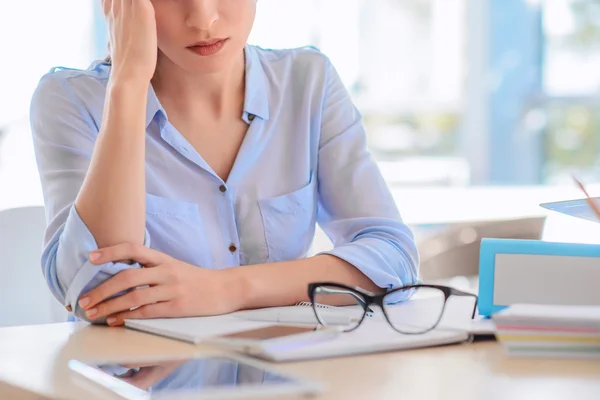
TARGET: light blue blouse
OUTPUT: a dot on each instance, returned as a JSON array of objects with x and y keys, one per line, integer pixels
[{"x": 303, "y": 161}]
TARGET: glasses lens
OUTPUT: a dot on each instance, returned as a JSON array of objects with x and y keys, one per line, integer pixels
[
  {"x": 419, "y": 315},
  {"x": 338, "y": 306}
]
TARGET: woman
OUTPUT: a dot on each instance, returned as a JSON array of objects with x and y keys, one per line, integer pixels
[{"x": 207, "y": 162}]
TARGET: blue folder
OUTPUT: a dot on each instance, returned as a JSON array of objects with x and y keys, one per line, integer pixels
[{"x": 492, "y": 247}]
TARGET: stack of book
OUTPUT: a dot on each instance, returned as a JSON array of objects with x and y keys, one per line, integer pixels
[{"x": 549, "y": 331}]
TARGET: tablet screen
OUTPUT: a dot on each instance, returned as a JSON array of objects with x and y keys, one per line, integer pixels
[{"x": 166, "y": 379}]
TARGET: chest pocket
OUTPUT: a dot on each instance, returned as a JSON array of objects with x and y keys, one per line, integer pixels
[
  {"x": 176, "y": 229},
  {"x": 289, "y": 221}
]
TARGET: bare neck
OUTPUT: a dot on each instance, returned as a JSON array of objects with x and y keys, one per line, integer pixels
[{"x": 219, "y": 95}]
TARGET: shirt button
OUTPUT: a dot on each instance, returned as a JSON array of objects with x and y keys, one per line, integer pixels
[
  {"x": 223, "y": 188},
  {"x": 232, "y": 248},
  {"x": 250, "y": 117}
]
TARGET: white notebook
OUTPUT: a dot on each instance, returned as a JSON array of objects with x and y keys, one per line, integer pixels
[
  {"x": 375, "y": 335},
  {"x": 197, "y": 329},
  {"x": 371, "y": 337},
  {"x": 193, "y": 330}
]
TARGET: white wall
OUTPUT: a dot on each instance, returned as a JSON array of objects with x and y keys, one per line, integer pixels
[{"x": 35, "y": 35}]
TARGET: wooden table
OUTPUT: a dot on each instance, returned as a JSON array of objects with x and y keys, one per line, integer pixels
[{"x": 33, "y": 366}]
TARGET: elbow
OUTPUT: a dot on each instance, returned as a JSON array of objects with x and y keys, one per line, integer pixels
[
  {"x": 410, "y": 268},
  {"x": 399, "y": 251},
  {"x": 67, "y": 268},
  {"x": 68, "y": 276},
  {"x": 77, "y": 276},
  {"x": 388, "y": 260},
  {"x": 408, "y": 260},
  {"x": 50, "y": 272}
]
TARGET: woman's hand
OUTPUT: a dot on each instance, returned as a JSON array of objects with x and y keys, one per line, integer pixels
[
  {"x": 133, "y": 40},
  {"x": 148, "y": 375},
  {"x": 164, "y": 288}
]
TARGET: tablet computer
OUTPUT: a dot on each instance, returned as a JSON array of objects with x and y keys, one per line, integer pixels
[
  {"x": 202, "y": 377},
  {"x": 575, "y": 208}
]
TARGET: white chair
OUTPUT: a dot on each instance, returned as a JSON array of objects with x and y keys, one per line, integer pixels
[
  {"x": 455, "y": 251},
  {"x": 25, "y": 298}
]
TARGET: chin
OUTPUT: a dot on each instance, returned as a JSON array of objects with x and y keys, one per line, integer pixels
[
  {"x": 205, "y": 68},
  {"x": 205, "y": 65}
]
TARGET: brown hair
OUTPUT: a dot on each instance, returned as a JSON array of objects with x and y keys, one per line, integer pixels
[{"x": 108, "y": 60}]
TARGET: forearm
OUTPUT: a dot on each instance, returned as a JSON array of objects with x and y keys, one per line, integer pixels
[
  {"x": 111, "y": 201},
  {"x": 286, "y": 283}
]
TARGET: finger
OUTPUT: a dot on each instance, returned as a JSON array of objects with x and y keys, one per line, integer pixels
[
  {"x": 162, "y": 364},
  {"x": 135, "y": 298},
  {"x": 140, "y": 365},
  {"x": 121, "y": 282},
  {"x": 149, "y": 376},
  {"x": 106, "y": 7},
  {"x": 128, "y": 251},
  {"x": 127, "y": 7},
  {"x": 116, "y": 7},
  {"x": 145, "y": 378},
  {"x": 158, "y": 310}
]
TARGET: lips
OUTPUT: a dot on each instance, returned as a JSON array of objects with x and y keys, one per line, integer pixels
[
  {"x": 208, "y": 47},
  {"x": 207, "y": 42}
]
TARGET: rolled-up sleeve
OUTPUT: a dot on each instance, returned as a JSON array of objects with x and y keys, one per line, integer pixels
[
  {"x": 356, "y": 208},
  {"x": 64, "y": 133}
]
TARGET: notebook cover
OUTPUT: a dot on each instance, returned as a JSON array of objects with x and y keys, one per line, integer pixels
[{"x": 568, "y": 268}]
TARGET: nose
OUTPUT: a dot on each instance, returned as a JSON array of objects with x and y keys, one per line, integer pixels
[{"x": 202, "y": 14}]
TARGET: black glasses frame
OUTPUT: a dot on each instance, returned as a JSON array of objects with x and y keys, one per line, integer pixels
[{"x": 366, "y": 298}]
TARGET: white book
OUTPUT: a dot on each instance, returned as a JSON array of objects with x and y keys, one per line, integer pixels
[{"x": 534, "y": 313}]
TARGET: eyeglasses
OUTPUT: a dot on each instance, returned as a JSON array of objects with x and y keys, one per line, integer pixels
[{"x": 414, "y": 317}]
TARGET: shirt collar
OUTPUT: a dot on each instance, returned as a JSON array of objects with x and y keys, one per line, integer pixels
[
  {"x": 256, "y": 100},
  {"x": 153, "y": 107}
]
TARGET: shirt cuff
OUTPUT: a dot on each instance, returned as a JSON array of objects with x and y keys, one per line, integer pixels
[
  {"x": 367, "y": 257},
  {"x": 89, "y": 277},
  {"x": 76, "y": 243}
]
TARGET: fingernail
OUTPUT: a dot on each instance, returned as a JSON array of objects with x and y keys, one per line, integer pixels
[
  {"x": 84, "y": 301},
  {"x": 95, "y": 255},
  {"x": 92, "y": 312},
  {"x": 111, "y": 320}
]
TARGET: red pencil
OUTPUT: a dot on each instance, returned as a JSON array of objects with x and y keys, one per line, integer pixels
[{"x": 590, "y": 201}]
